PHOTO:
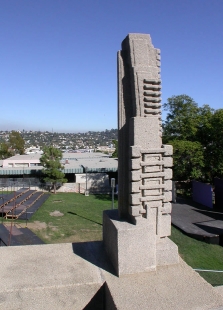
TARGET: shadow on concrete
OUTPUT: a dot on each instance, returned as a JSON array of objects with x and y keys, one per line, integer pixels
[
  {"x": 212, "y": 230},
  {"x": 211, "y": 214},
  {"x": 212, "y": 226},
  {"x": 94, "y": 253},
  {"x": 98, "y": 301},
  {"x": 73, "y": 213},
  {"x": 189, "y": 201}
]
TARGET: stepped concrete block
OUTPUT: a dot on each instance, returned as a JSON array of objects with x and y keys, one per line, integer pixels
[{"x": 131, "y": 248}]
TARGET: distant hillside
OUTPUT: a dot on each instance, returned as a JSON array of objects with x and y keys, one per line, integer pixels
[{"x": 90, "y": 139}]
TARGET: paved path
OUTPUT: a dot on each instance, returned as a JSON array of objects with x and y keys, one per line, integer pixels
[
  {"x": 198, "y": 221},
  {"x": 15, "y": 236}
]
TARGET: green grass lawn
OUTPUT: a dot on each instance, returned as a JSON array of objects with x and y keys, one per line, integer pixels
[
  {"x": 80, "y": 220},
  {"x": 200, "y": 255}
]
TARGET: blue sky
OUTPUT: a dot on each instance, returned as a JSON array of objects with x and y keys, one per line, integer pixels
[{"x": 58, "y": 57}]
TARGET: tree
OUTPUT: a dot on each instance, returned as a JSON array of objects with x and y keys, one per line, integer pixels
[
  {"x": 4, "y": 151},
  {"x": 213, "y": 144},
  {"x": 115, "y": 153},
  {"x": 188, "y": 160},
  {"x": 196, "y": 135},
  {"x": 182, "y": 118},
  {"x": 205, "y": 115},
  {"x": 16, "y": 142},
  {"x": 51, "y": 162}
]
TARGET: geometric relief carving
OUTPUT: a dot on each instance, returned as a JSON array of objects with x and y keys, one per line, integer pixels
[
  {"x": 148, "y": 167},
  {"x": 144, "y": 164}
]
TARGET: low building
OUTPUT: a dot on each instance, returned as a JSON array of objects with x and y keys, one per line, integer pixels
[
  {"x": 22, "y": 161},
  {"x": 24, "y": 167},
  {"x": 33, "y": 150}
]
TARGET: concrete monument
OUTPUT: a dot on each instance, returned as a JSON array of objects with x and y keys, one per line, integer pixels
[
  {"x": 136, "y": 237},
  {"x": 78, "y": 275}
]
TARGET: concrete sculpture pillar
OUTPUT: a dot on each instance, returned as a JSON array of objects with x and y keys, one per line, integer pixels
[{"x": 136, "y": 237}]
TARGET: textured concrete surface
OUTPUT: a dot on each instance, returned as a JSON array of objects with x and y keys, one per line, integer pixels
[
  {"x": 46, "y": 277},
  {"x": 128, "y": 246},
  {"x": 144, "y": 169},
  {"x": 142, "y": 175},
  {"x": 68, "y": 276},
  {"x": 166, "y": 252},
  {"x": 171, "y": 287}
]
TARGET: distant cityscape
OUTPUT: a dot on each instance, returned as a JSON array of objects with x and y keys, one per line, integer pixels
[{"x": 88, "y": 141}]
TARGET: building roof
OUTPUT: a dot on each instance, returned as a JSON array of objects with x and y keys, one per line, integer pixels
[
  {"x": 95, "y": 162},
  {"x": 72, "y": 162},
  {"x": 26, "y": 157}
]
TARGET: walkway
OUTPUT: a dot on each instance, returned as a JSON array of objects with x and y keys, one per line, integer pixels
[
  {"x": 198, "y": 221},
  {"x": 14, "y": 235}
]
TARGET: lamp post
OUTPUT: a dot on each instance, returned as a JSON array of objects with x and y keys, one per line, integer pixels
[
  {"x": 86, "y": 190},
  {"x": 113, "y": 187}
]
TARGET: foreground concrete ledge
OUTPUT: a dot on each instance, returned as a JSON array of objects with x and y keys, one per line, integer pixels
[
  {"x": 170, "y": 287},
  {"x": 68, "y": 276},
  {"x": 46, "y": 277}
]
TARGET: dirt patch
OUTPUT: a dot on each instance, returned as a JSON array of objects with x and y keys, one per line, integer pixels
[
  {"x": 56, "y": 213},
  {"x": 14, "y": 224},
  {"x": 36, "y": 225},
  {"x": 44, "y": 231},
  {"x": 54, "y": 228}
]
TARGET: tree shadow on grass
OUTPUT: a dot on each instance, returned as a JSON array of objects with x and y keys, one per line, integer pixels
[
  {"x": 106, "y": 197},
  {"x": 73, "y": 213}
]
